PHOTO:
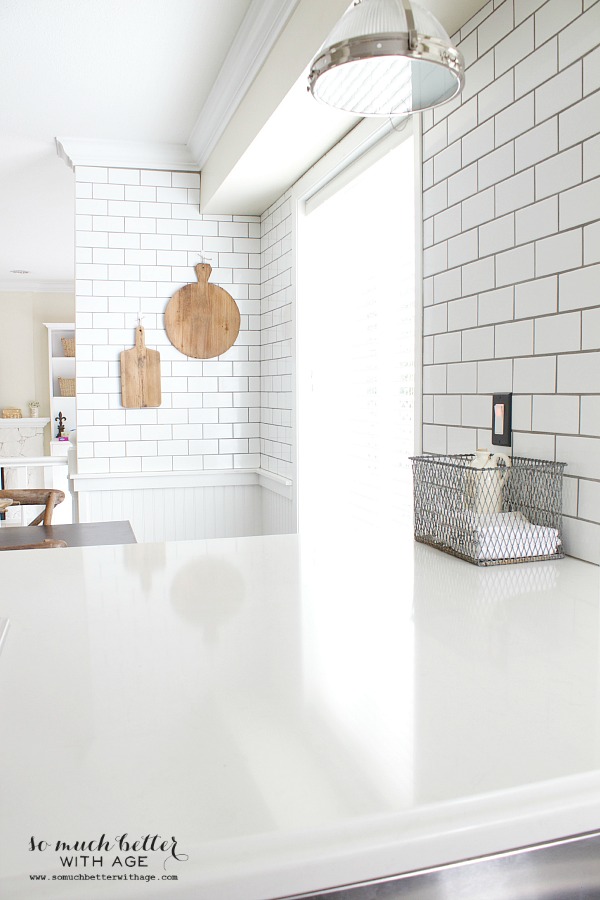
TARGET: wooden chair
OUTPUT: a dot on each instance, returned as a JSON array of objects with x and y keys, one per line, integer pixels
[
  {"x": 35, "y": 497},
  {"x": 46, "y": 544}
]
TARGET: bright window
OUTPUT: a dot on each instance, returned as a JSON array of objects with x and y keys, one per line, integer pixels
[{"x": 356, "y": 348}]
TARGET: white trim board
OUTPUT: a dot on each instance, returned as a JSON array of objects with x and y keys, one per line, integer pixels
[
  {"x": 26, "y": 462},
  {"x": 371, "y": 147},
  {"x": 418, "y": 408},
  {"x": 345, "y": 159},
  {"x": 164, "y": 480}
]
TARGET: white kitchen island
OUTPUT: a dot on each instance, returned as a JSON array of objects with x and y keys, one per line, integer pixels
[{"x": 296, "y": 713}]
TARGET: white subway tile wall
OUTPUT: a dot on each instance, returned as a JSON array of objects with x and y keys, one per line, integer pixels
[
  {"x": 139, "y": 236},
  {"x": 277, "y": 347},
  {"x": 512, "y": 216}
]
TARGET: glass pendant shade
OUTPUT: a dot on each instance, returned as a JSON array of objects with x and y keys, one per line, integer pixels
[{"x": 386, "y": 58}]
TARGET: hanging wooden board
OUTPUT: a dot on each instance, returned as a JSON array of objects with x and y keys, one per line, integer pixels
[
  {"x": 140, "y": 375},
  {"x": 202, "y": 320}
]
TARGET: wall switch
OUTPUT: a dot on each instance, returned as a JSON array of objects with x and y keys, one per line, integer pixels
[{"x": 502, "y": 420}]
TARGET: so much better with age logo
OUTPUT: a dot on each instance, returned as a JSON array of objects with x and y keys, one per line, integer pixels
[{"x": 149, "y": 857}]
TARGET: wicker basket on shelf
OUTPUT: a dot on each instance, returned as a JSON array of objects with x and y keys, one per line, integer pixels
[
  {"x": 66, "y": 387},
  {"x": 68, "y": 346},
  {"x": 12, "y": 412}
]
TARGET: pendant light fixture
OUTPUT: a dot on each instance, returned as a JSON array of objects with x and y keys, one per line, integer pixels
[{"x": 386, "y": 58}]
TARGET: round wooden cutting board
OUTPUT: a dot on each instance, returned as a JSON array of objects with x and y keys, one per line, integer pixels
[{"x": 202, "y": 320}]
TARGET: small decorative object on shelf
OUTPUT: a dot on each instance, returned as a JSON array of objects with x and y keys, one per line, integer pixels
[
  {"x": 60, "y": 432},
  {"x": 34, "y": 409},
  {"x": 11, "y": 412},
  {"x": 489, "y": 508}
]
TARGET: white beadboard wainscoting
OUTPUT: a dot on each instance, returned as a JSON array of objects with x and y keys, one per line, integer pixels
[
  {"x": 200, "y": 505},
  {"x": 277, "y": 506}
]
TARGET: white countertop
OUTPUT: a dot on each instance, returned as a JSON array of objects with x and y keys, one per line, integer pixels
[{"x": 297, "y": 714}]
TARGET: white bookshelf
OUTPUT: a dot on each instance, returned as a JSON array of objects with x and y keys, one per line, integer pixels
[{"x": 60, "y": 366}]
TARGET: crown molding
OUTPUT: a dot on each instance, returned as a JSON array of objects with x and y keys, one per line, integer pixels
[
  {"x": 260, "y": 28},
  {"x": 125, "y": 154},
  {"x": 18, "y": 286}
]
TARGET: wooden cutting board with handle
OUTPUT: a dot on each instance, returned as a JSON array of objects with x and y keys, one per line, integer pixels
[
  {"x": 202, "y": 320},
  {"x": 140, "y": 375}
]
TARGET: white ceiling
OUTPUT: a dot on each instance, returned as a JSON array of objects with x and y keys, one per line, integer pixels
[
  {"x": 110, "y": 69},
  {"x": 121, "y": 70}
]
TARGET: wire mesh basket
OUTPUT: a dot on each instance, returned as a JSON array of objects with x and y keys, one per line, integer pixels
[{"x": 489, "y": 516}]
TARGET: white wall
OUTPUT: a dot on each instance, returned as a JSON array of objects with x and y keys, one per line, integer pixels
[
  {"x": 139, "y": 234},
  {"x": 511, "y": 234},
  {"x": 24, "y": 356}
]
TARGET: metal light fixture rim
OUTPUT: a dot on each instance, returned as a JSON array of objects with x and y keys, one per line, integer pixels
[{"x": 424, "y": 49}]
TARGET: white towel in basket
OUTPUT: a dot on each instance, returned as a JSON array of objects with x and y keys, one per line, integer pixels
[{"x": 509, "y": 535}]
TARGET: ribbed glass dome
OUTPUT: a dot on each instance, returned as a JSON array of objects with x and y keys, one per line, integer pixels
[
  {"x": 367, "y": 66},
  {"x": 381, "y": 17}
]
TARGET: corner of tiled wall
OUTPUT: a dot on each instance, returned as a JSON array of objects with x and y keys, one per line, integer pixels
[
  {"x": 511, "y": 179},
  {"x": 277, "y": 353}
]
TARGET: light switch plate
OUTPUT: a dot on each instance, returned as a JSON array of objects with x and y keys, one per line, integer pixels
[{"x": 502, "y": 420}]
